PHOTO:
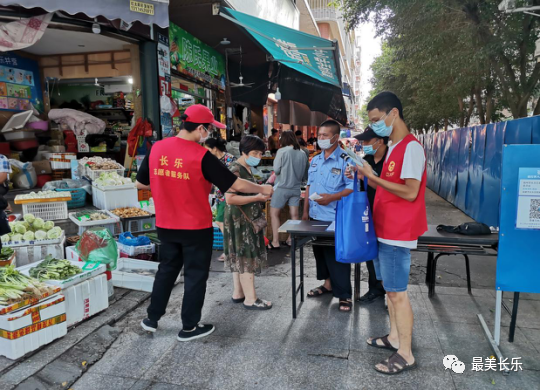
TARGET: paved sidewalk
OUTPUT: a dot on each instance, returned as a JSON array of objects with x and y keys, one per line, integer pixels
[{"x": 322, "y": 349}]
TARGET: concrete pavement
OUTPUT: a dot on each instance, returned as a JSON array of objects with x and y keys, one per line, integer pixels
[{"x": 321, "y": 349}]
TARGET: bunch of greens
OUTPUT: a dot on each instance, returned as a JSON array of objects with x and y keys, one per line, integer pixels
[
  {"x": 54, "y": 269},
  {"x": 16, "y": 287}
]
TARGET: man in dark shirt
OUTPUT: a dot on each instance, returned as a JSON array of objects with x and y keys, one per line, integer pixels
[{"x": 375, "y": 150}]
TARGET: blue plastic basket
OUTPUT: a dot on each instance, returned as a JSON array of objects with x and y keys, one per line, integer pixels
[
  {"x": 218, "y": 243},
  {"x": 78, "y": 197}
]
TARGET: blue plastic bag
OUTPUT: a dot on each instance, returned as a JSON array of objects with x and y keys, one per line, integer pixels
[{"x": 355, "y": 238}]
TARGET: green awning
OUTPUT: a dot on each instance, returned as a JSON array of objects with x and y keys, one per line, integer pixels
[{"x": 313, "y": 56}]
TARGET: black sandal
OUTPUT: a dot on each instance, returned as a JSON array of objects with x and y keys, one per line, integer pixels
[
  {"x": 395, "y": 365},
  {"x": 386, "y": 343},
  {"x": 238, "y": 300},
  {"x": 259, "y": 304},
  {"x": 345, "y": 303},
  {"x": 273, "y": 248},
  {"x": 318, "y": 291}
]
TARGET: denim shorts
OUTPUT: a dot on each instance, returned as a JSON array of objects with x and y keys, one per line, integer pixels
[{"x": 393, "y": 267}]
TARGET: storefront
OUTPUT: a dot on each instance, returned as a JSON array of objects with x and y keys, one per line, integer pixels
[
  {"x": 197, "y": 74},
  {"x": 93, "y": 64}
]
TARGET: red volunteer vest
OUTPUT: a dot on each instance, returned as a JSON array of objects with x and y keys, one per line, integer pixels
[
  {"x": 180, "y": 191},
  {"x": 396, "y": 218}
]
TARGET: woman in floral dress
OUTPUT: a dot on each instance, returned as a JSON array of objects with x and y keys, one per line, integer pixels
[
  {"x": 245, "y": 250},
  {"x": 217, "y": 147}
]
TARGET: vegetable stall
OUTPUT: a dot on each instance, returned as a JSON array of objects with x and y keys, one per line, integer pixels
[{"x": 70, "y": 244}]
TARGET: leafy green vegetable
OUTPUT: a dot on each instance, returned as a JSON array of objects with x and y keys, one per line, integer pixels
[
  {"x": 29, "y": 218},
  {"x": 54, "y": 269}
]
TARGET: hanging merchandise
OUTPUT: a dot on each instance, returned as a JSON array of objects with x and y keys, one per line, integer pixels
[
  {"x": 141, "y": 131},
  {"x": 23, "y": 33}
]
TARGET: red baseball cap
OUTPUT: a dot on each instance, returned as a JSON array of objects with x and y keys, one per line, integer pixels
[{"x": 199, "y": 113}]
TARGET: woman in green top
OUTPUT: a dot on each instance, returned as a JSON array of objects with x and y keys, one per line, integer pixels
[
  {"x": 217, "y": 147},
  {"x": 245, "y": 250}
]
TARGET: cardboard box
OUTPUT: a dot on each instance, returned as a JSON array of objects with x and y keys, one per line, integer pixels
[
  {"x": 42, "y": 167},
  {"x": 85, "y": 299},
  {"x": 26, "y": 330}
]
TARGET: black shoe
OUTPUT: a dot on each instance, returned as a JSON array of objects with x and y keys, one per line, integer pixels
[
  {"x": 201, "y": 330},
  {"x": 149, "y": 325},
  {"x": 370, "y": 297}
]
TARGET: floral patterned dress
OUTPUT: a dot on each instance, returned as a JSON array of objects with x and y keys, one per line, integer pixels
[
  {"x": 244, "y": 250},
  {"x": 226, "y": 159}
]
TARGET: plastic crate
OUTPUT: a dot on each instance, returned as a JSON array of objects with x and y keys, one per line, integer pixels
[
  {"x": 78, "y": 197},
  {"x": 51, "y": 211},
  {"x": 218, "y": 243},
  {"x": 139, "y": 224},
  {"x": 113, "y": 223},
  {"x": 136, "y": 250},
  {"x": 95, "y": 174},
  {"x": 114, "y": 198}
]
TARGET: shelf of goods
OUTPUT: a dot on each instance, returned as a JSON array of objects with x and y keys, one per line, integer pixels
[
  {"x": 28, "y": 252},
  {"x": 113, "y": 197},
  {"x": 86, "y": 293},
  {"x": 112, "y": 224}
]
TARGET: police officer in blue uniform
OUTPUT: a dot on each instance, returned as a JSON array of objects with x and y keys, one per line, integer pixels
[{"x": 326, "y": 178}]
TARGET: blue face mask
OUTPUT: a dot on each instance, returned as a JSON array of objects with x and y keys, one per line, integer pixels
[
  {"x": 369, "y": 150},
  {"x": 253, "y": 161},
  {"x": 381, "y": 129}
]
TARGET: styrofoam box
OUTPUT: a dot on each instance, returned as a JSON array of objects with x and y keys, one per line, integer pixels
[
  {"x": 60, "y": 160},
  {"x": 32, "y": 253},
  {"x": 85, "y": 299},
  {"x": 19, "y": 134},
  {"x": 113, "y": 223},
  {"x": 113, "y": 199},
  {"x": 89, "y": 270},
  {"x": 73, "y": 255},
  {"x": 26, "y": 330},
  {"x": 136, "y": 250},
  {"x": 122, "y": 277}
]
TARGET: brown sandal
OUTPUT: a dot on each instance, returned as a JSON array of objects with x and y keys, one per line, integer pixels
[
  {"x": 395, "y": 365},
  {"x": 344, "y": 303},
  {"x": 384, "y": 340}
]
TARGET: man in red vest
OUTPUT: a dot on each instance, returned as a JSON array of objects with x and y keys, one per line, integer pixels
[
  {"x": 399, "y": 220},
  {"x": 180, "y": 172}
]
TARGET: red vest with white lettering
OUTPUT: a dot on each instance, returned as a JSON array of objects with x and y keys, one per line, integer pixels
[
  {"x": 396, "y": 218},
  {"x": 180, "y": 191}
]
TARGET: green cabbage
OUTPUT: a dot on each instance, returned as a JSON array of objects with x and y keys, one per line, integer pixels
[
  {"x": 29, "y": 236},
  {"x": 19, "y": 228},
  {"x": 40, "y": 235},
  {"x": 17, "y": 237},
  {"x": 26, "y": 225},
  {"x": 5, "y": 238},
  {"x": 52, "y": 234},
  {"x": 38, "y": 223},
  {"x": 48, "y": 225},
  {"x": 29, "y": 218},
  {"x": 58, "y": 229}
]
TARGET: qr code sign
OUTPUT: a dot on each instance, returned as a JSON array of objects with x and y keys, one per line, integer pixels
[{"x": 534, "y": 209}]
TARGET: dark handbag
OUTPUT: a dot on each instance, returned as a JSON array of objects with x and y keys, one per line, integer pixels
[
  {"x": 258, "y": 224},
  {"x": 468, "y": 229}
]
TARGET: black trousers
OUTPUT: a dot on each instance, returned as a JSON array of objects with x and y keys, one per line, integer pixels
[
  {"x": 374, "y": 285},
  {"x": 191, "y": 249},
  {"x": 328, "y": 268}
]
